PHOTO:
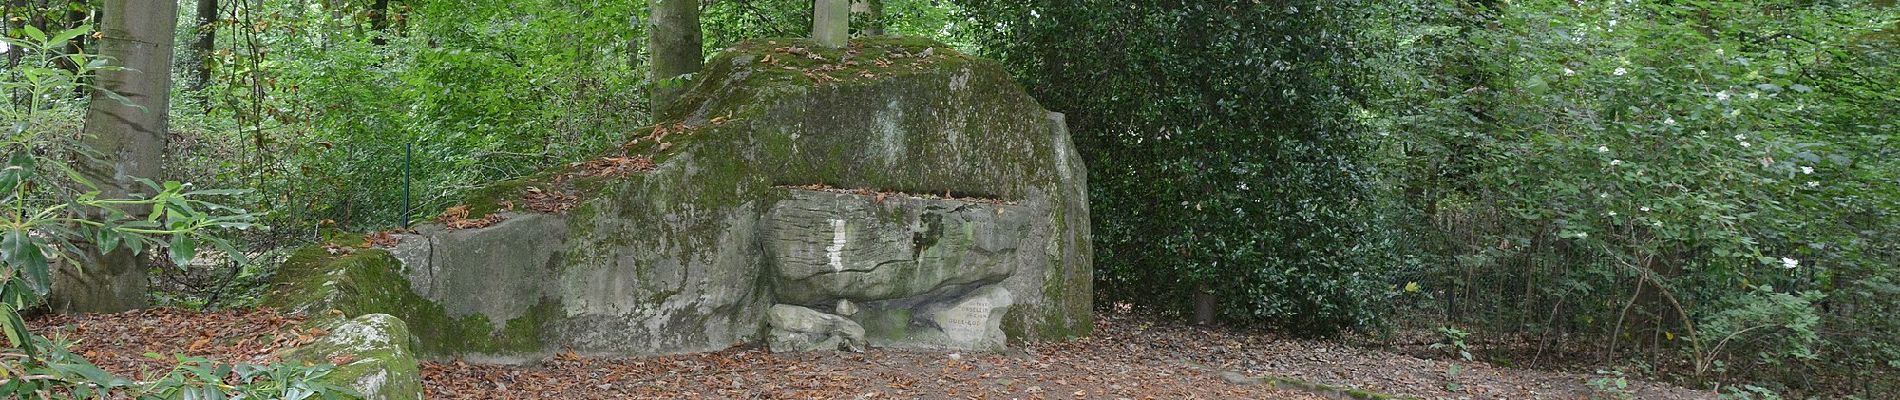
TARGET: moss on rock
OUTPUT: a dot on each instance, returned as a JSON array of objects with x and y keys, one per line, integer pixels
[
  {"x": 371, "y": 282},
  {"x": 374, "y": 357}
]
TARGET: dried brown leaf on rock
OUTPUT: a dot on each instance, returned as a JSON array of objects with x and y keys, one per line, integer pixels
[
  {"x": 456, "y": 218},
  {"x": 383, "y": 239},
  {"x": 549, "y": 202},
  {"x": 615, "y": 166}
]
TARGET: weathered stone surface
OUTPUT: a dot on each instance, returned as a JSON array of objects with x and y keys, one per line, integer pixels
[
  {"x": 828, "y": 246},
  {"x": 501, "y": 272},
  {"x": 798, "y": 329},
  {"x": 960, "y": 319},
  {"x": 378, "y": 362},
  {"x": 691, "y": 255}
]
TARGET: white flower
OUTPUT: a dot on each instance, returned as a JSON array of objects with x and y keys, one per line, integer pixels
[
  {"x": 1739, "y": 136},
  {"x": 1744, "y": 144},
  {"x": 1718, "y": 52},
  {"x": 1603, "y": 195},
  {"x": 1620, "y": 71},
  {"x": 1603, "y": 149},
  {"x": 1645, "y": 209},
  {"x": 1722, "y": 95},
  {"x": 1612, "y": 213},
  {"x": 1671, "y": 121},
  {"x": 1612, "y": 23},
  {"x": 1569, "y": 72},
  {"x": 1754, "y": 95},
  {"x": 1813, "y": 184},
  {"x": 1616, "y": 162},
  {"x": 1807, "y": 170},
  {"x": 1790, "y": 263}
]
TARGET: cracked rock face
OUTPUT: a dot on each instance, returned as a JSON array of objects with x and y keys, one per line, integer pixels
[
  {"x": 829, "y": 246},
  {"x": 715, "y": 245}
]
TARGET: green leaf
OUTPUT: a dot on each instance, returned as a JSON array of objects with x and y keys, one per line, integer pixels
[
  {"x": 217, "y": 192},
  {"x": 18, "y": 169},
  {"x": 22, "y": 252},
  {"x": 183, "y": 248},
  {"x": 229, "y": 250},
  {"x": 15, "y": 329},
  {"x": 70, "y": 34},
  {"x": 108, "y": 239},
  {"x": 34, "y": 33}
]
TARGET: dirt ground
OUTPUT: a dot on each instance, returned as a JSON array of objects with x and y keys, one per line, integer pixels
[{"x": 1128, "y": 357}]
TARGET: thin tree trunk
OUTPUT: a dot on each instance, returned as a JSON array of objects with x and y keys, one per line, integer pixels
[
  {"x": 201, "y": 50},
  {"x": 673, "y": 37},
  {"x": 379, "y": 22},
  {"x": 131, "y": 139},
  {"x": 874, "y": 16}
]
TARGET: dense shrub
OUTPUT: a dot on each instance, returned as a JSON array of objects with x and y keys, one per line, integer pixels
[
  {"x": 1221, "y": 151},
  {"x": 1710, "y": 181}
]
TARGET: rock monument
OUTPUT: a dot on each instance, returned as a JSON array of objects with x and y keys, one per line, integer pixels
[{"x": 888, "y": 192}]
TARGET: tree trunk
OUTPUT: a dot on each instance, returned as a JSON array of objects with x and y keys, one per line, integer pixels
[
  {"x": 379, "y": 22},
  {"x": 207, "y": 30},
  {"x": 673, "y": 37},
  {"x": 130, "y": 138},
  {"x": 874, "y": 17},
  {"x": 1205, "y": 305}
]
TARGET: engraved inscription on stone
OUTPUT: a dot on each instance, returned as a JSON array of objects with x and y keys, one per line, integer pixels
[{"x": 967, "y": 322}]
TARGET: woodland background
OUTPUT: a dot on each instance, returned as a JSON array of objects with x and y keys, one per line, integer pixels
[{"x": 1698, "y": 191}]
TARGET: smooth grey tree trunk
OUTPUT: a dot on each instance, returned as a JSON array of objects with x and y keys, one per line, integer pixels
[
  {"x": 131, "y": 140},
  {"x": 673, "y": 37},
  {"x": 831, "y": 23}
]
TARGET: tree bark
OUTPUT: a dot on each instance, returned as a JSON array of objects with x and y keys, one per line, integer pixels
[
  {"x": 1206, "y": 306},
  {"x": 673, "y": 37},
  {"x": 874, "y": 17},
  {"x": 379, "y": 22},
  {"x": 130, "y": 138},
  {"x": 207, "y": 30}
]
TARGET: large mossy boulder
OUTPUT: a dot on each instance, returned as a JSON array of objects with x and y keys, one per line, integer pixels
[
  {"x": 373, "y": 356},
  {"x": 895, "y": 186}
]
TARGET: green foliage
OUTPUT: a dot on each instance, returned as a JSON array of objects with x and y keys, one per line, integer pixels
[
  {"x": 58, "y": 373},
  {"x": 316, "y": 115},
  {"x": 52, "y": 212},
  {"x": 1714, "y": 177},
  {"x": 1611, "y": 384},
  {"x": 1217, "y": 154},
  {"x": 1454, "y": 343}
]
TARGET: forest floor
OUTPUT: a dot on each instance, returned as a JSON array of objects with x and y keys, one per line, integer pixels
[{"x": 1129, "y": 356}]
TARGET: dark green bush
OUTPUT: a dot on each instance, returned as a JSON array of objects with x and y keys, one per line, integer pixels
[{"x": 1221, "y": 150}]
